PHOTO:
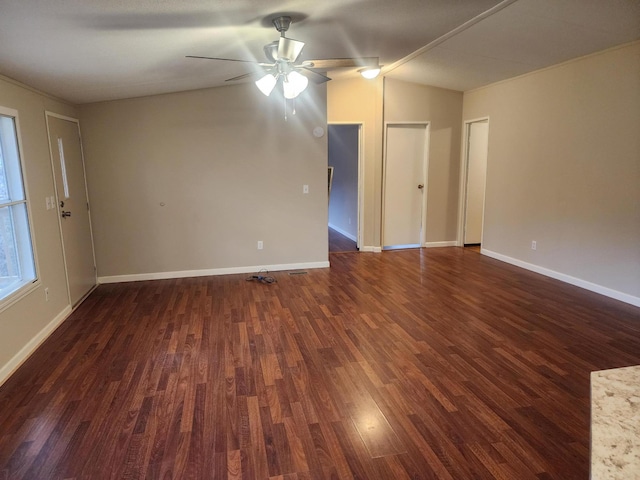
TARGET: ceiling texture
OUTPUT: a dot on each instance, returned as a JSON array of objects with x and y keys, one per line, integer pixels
[{"x": 87, "y": 51}]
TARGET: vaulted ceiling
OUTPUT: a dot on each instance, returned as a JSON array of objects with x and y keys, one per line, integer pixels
[{"x": 94, "y": 50}]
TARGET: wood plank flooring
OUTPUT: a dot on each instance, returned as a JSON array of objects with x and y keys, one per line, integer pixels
[
  {"x": 416, "y": 364},
  {"x": 338, "y": 243}
]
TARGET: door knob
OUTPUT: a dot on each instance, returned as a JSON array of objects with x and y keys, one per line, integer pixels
[
  {"x": 421, "y": 186},
  {"x": 66, "y": 214}
]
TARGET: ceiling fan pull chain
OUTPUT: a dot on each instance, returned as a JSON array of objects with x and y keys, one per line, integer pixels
[{"x": 285, "y": 109}]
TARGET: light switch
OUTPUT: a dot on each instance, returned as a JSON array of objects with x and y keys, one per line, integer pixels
[
  {"x": 305, "y": 189},
  {"x": 48, "y": 201}
]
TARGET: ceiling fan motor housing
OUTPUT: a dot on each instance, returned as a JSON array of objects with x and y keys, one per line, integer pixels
[{"x": 282, "y": 24}]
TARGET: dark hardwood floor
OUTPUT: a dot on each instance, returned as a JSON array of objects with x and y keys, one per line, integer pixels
[
  {"x": 438, "y": 363},
  {"x": 338, "y": 243}
]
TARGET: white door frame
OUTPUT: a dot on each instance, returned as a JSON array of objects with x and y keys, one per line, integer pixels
[
  {"x": 464, "y": 173},
  {"x": 361, "y": 204},
  {"x": 49, "y": 114},
  {"x": 425, "y": 178}
]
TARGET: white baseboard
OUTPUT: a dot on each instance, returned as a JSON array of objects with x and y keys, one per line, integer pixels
[
  {"x": 452, "y": 243},
  {"x": 401, "y": 247},
  {"x": 371, "y": 249},
  {"x": 593, "y": 287},
  {"x": 210, "y": 272},
  {"x": 24, "y": 353},
  {"x": 342, "y": 232}
]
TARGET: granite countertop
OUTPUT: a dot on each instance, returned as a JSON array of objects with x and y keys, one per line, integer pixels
[{"x": 615, "y": 424}]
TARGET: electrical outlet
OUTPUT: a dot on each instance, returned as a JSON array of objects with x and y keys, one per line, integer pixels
[
  {"x": 305, "y": 188},
  {"x": 46, "y": 294},
  {"x": 534, "y": 245},
  {"x": 260, "y": 245}
]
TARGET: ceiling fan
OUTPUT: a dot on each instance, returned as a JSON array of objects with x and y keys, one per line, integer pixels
[{"x": 285, "y": 66}]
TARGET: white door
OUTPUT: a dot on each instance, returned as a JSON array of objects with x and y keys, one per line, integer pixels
[
  {"x": 404, "y": 186},
  {"x": 72, "y": 205},
  {"x": 477, "y": 145}
]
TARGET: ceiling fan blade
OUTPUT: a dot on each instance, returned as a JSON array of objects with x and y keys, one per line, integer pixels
[
  {"x": 315, "y": 77},
  {"x": 289, "y": 49},
  {"x": 257, "y": 73},
  {"x": 330, "y": 63},
  {"x": 232, "y": 60}
]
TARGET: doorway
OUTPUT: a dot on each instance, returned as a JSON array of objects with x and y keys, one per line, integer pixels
[
  {"x": 344, "y": 148},
  {"x": 72, "y": 205},
  {"x": 475, "y": 174},
  {"x": 405, "y": 181}
]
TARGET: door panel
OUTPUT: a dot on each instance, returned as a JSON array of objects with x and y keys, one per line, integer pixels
[
  {"x": 477, "y": 145},
  {"x": 73, "y": 207},
  {"x": 404, "y": 185}
]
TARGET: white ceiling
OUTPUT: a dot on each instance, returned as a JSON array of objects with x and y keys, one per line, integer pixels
[
  {"x": 94, "y": 50},
  {"x": 524, "y": 36}
]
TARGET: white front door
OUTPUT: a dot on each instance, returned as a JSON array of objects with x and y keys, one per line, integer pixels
[
  {"x": 404, "y": 185},
  {"x": 72, "y": 205},
  {"x": 477, "y": 145}
]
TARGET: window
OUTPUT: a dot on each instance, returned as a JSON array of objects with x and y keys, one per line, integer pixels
[{"x": 17, "y": 264}]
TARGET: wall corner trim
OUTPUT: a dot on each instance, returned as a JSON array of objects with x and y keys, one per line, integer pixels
[
  {"x": 25, "y": 352},
  {"x": 593, "y": 287},
  {"x": 210, "y": 272}
]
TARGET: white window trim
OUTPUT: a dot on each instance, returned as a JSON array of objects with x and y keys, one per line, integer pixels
[{"x": 26, "y": 289}]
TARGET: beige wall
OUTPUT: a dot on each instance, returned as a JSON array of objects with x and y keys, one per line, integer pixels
[
  {"x": 191, "y": 181},
  {"x": 564, "y": 168},
  {"x": 410, "y": 102},
  {"x": 23, "y": 323},
  {"x": 360, "y": 101}
]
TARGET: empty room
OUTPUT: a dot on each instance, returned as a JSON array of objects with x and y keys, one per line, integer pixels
[{"x": 320, "y": 240}]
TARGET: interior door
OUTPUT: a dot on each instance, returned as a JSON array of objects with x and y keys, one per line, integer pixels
[
  {"x": 404, "y": 186},
  {"x": 477, "y": 149},
  {"x": 72, "y": 205}
]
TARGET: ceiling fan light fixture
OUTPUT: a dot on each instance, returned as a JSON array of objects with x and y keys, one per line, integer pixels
[
  {"x": 284, "y": 71},
  {"x": 294, "y": 84},
  {"x": 266, "y": 84},
  {"x": 370, "y": 72}
]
